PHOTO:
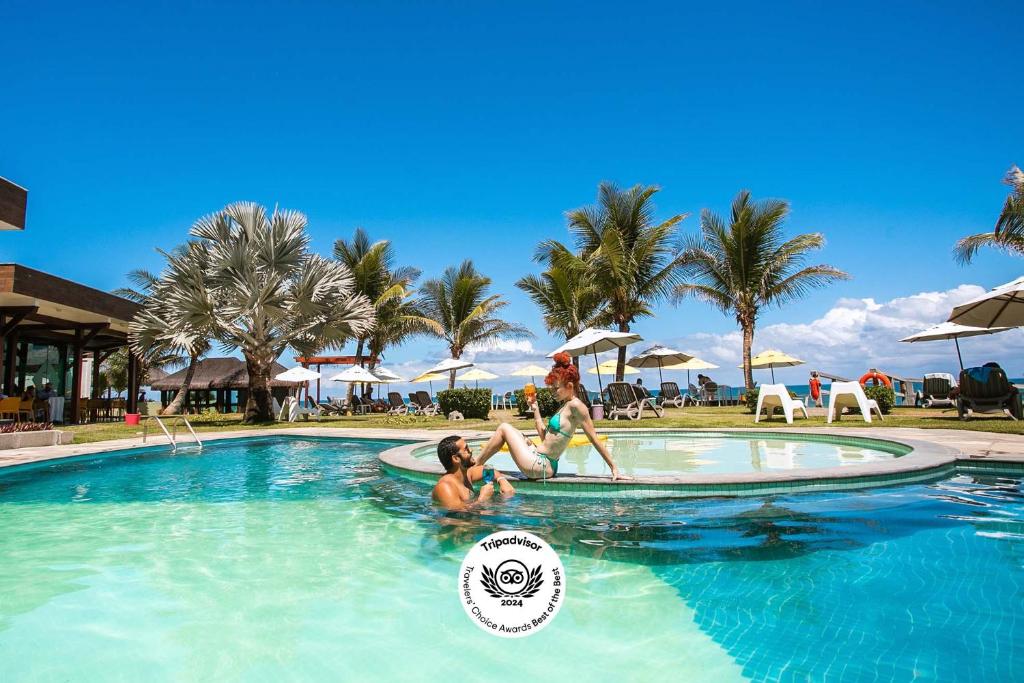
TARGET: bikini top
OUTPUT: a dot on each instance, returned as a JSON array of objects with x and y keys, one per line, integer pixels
[{"x": 555, "y": 424}]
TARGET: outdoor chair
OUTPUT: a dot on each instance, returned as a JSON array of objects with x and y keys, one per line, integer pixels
[
  {"x": 987, "y": 390},
  {"x": 936, "y": 389},
  {"x": 709, "y": 393},
  {"x": 772, "y": 396},
  {"x": 670, "y": 395},
  {"x": 396, "y": 404},
  {"x": 850, "y": 395},
  {"x": 583, "y": 395},
  {"x": 10, "y": 409},
  {"x": 645, "y": 400},
  {"x": 426, "y": 405},
  {"x": 622, "y": 402}
]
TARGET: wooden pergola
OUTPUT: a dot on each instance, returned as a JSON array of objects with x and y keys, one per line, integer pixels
[
  {"x": 74, "y": 320},
  {"x": 320, "y": 361}
]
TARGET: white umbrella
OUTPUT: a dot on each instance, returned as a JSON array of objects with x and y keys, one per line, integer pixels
[
  {"x": 477, "y": 374},
  {"x": 386, "y": 375},
  {"x": 594, "y": 341},
  {"x": 356, "y": 374},
  {"x": 656, "y": 357},
  {"x": 692, "y": 364},
  {"x": 450, "y": 365},
  {"x": 1001, "y": 307},
  {"x": 299, "y": 374},
  {"x": 948, "y": 330},
  {"x": 609, "y": 366}
]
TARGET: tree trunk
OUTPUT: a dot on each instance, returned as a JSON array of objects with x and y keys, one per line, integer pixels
[
  {"x": 620, "y": 364},
  {"x": 259, "y": 407},
  {"x": 359, "y": 362},
  {"x": 451, "y": 374},
  {"x": 748, "y": 342},
  {"x": 175, "y": 406}
]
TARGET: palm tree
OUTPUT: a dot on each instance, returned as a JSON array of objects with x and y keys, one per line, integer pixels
[
  {"x": 1009, "y": 231},
  {"x": 628, "y": 256},
  {"x": 259, "y": 289},
  {"x": 374, "y": 276},
  {"x": 149, "y": 335},
  {"x": 747, "y": 265},
  {"x": 568, "y": 300},
  {"x": 398, "y": 320},
  {"x": 459, "y": 302}
]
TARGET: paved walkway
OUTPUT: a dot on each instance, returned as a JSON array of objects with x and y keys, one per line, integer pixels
[{"x": 968, "y": 444}]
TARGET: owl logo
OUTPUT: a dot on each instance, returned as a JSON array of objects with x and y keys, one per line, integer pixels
[{"x": 511, "y": 579}]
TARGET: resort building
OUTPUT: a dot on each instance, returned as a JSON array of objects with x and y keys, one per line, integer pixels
[
  {"x": 54, "y": 330},
  {"x": 219, "y": 383}
]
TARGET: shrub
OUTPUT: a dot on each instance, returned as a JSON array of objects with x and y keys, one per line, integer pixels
[
  {"x": 883, "y": 395},
  {"x": 472, "y": 403},
  {"x": 14, "y": 427},
  {"x": 546, "y": 401}
]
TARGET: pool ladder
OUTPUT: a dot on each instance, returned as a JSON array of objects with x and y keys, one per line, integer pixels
[{"x": 172, "y": 435}]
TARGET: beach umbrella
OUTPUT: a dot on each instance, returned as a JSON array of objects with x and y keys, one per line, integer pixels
[
  {"x": 386, "y": 375},
  {"x": 450, "y": 365},
  {"x": 773, "y": 358},
  {"x": 476, "y": 374},
  {"x": 692, "y": 364},
  {"x": 356, "y": 374},
  {"x": 428, "y": 377},
  {"x": 530, "y": 371},
  {"x": 657, "y": 357},
  {"x": 948, "y": 330},
  {"x": 298, "y": 374},
  {"x": 608, "y": 366},
  {"x": 1003, "y": 306},
  {"x": 594, "y": 341}
]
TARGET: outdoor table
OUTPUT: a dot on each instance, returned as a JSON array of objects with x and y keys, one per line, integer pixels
[{"x": 56, "y": 404}]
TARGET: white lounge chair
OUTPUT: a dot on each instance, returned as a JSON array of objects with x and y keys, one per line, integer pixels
[
  {"x": 772, "y": 396},
  {"x": 850, "y": 395}
]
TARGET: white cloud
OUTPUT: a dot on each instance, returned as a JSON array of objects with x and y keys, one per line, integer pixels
[{"x": 856, "y": 334}]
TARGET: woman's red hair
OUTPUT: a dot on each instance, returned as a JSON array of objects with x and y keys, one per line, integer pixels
[{"x": 563, "y": 371}]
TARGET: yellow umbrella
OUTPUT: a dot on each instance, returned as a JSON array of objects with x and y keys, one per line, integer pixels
[
  {"x": 428, "y": 377},
  {"x": 773, "y": 358},
  {"x": 477, "y": 374},
  {"x": 530, "y": 371},
  {"x": 692, "y": 364},
  {"x": 608, "y": 367}
]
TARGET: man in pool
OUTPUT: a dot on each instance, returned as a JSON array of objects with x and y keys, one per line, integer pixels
[{"x": 454, "y": 490}]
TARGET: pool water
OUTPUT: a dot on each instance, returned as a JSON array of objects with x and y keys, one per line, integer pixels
[
  {"x": 656, "y": 453},
  {"x": 298, "y": 558}
]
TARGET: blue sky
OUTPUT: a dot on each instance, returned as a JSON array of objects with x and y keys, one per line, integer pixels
[{"x": 468, "y": 129}]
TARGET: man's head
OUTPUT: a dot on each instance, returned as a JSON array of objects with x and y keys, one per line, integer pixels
[
  {"x": 454, "y": 454},
  {"x": 639, "y": 382}
]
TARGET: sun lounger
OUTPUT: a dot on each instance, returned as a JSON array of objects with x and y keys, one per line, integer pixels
[
  {"x": 935, "y": 390},
  {"x": 693, "y": 394},
  {"x": 622, "y": 402},
  {"x": 987, "y": 390},
  {"x": 772, "y": 396},
  {"x": 397, "y": 405},
  {"x": 670, "y": 395},
  {"x": 644, "y": 398},
  {"x": 427, "y": 406},
  {"x": 850, "y": 395},
  {"x": 583, "y": 395}
]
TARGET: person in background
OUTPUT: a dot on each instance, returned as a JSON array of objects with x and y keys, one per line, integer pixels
[
  {"x": 47, "y": 393},
  {"x": 814, "y": 383}
]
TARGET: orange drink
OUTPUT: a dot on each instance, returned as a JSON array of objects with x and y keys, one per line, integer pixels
[{"x": 530, "y": 391}]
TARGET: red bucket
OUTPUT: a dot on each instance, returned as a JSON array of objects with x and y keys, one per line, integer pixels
[{"x": 131, "y": 418}]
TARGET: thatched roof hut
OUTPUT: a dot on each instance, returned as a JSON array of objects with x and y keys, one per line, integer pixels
[{"x": 218, "y": 373}]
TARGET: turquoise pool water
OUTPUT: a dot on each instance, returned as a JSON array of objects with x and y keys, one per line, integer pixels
[
  {"x": 641, "y": 454},
  {"x": 297, "y": 558}
]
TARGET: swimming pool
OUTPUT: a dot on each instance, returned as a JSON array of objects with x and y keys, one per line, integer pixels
[{"x": 299, "y": 557}]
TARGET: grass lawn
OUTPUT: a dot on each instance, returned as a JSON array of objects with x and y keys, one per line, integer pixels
[{"x": 712, "y": 417}]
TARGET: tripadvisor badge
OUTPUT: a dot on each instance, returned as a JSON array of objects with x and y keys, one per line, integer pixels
[{"x": 512, "y": 584}]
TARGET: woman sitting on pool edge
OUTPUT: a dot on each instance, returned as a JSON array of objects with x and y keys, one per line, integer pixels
[{"x": 541, "y": 462}]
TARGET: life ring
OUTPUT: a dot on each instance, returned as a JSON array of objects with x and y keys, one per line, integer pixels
[
  {"x": 877, "y": 376},
  {"x": 576, "y": 441}
]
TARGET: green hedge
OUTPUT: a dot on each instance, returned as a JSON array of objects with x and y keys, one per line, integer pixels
[
  {"x": 883, "y": 395},
  {"x": 474, "y": 404},
  {"x": 546, "y": 401}
]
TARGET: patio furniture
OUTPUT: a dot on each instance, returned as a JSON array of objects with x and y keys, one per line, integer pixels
[
  {"x": 396, "y": 404},
  {"x": 850, "y": 395},
  {"x": 935, "y": 390},
  {"x": 693, "y": 393},
  {"x": 670, "y": 395},
  {"x": 709, "y": 393},
  {"x": 10, "y": 408},
  {"x": 583, "y": 395},
  {"x": 644, "y": 398},
  {"x": 427, "y": 406},
  {"x": 772, "y": 396},
  {"x": 622, "y": 402},
  {"x": 987, "y": 390}
]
